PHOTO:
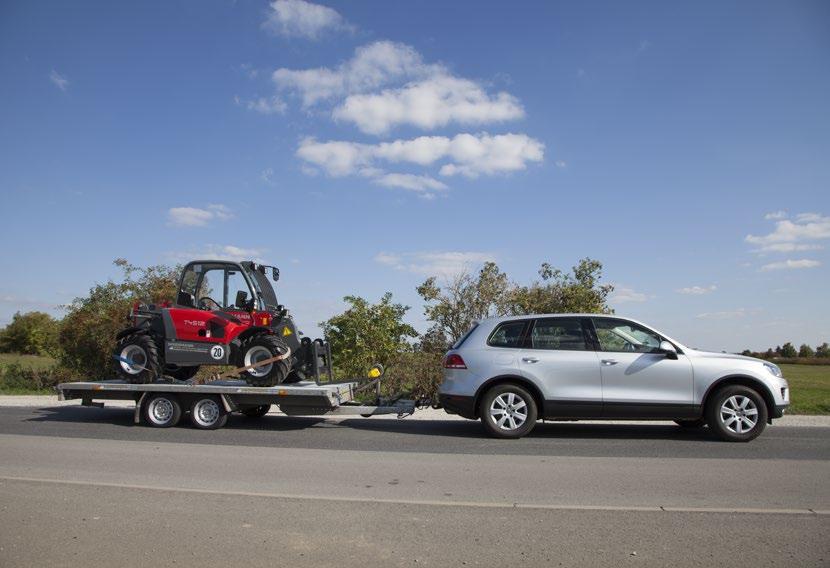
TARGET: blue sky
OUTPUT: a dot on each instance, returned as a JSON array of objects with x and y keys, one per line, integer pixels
[{"x": 362, "y": 146}]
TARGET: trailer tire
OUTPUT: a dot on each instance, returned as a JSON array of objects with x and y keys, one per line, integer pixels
[
  {"x": 161, "y": 410},
  {"x": 208, "y": 413},
  {"x": 261, "y": 347},
  {"x": 137, "y": 358},
  {"x": 256, "y": 411}
]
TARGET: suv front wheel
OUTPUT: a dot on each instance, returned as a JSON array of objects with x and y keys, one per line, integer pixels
[
  {"x": 736, "y": 414},
  {"x": 508, "y": 411}
]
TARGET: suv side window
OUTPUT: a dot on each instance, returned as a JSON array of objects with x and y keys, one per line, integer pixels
[
  {"x": 564, "y": 334},
  {"x": 625, "y": 336},
  {"x": 508, "y": 334}
]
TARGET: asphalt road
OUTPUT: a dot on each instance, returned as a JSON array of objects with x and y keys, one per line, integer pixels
[{"x": 85, "y": 486}]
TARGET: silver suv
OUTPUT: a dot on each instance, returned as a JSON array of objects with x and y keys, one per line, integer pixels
[{"x": 512, "y": 371}]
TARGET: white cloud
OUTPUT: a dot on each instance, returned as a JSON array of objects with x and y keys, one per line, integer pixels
[
  {"x": 196, "y": 217},
  {"x": 219, "y": 252},
  {"x": 298, "y": 18},
  {"x": 790, "y": 234},
  {"x": 467, "y": 154},
  {"x": 775, "y": 215},
  {"x": 622, "y": 295},
  {"x": 697, "y": 290},
  {"x": 60, "y": 81},
  {"x": 445, "y": 264},
  {"x": 372, "y": 66},
  {"x": 410, "y": 181},
  {"x": 791, "y": 265},
  {"x": 561, "y": 164},
  {"x": 428, "y": 104},
  {"x": 729, "y": 314},
  {"x": 267, "y": 175},
  {"x": 268, "y": 105},
  {"x": 415, "y": 93}
]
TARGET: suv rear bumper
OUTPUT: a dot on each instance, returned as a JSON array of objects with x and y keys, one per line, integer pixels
[{"x": 458, "y": 404}]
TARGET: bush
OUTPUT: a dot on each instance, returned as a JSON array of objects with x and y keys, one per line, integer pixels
[
  {"x": 16, "y": 378},
  {"x": 87, "y": 333},
  {"x": 32, "y": 333},
  {"x": 417, "y": 374}
]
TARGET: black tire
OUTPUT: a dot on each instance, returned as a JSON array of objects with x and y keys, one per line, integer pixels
[
  {"x": 691, "y": 424},
  {"x": 255, "y": 349},
  {"x": 161, "y": 410},
  {"x": 256, "y": 411},
  {"x": 137, "y": 359},
  {"x": 181, "y": 373},
  {"x": 208, "y": 413},
  {"x": 720, "y": 417},
  {"x": 521, "y": 399}
]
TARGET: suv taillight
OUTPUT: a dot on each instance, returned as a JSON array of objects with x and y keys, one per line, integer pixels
[{"x": 454, "y": 361}]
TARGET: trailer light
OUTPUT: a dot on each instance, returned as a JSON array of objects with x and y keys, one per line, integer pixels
[
  {"x": 376, "y": 371},
  {"x": 454, "y": 361}
]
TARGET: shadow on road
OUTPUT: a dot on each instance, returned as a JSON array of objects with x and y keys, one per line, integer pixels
[{"x": 123, "y": 417}]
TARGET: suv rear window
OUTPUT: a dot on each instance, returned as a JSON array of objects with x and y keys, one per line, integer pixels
[
  {"x": 507, "y": 334},
  {"x": 561, "y": 334}
]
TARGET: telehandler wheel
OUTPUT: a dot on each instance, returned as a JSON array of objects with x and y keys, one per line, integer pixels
[
  {"x": 260, "y": 348},
  {"x": 137, "y": 359}
]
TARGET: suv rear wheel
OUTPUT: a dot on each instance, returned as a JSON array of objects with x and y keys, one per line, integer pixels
[
  {"x": 508, "y": 411},
  {"x": 736, "y": 414}
]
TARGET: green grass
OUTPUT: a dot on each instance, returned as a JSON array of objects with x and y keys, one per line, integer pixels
[
  {"x": 28, "y": 362},
  {"x": 35, "y": 362},
  {"x": 809, "y": 388}
]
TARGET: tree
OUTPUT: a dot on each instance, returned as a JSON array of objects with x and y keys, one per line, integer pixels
[
  {"x": 788, "y": 351},
  {"x": 823, "y": 350},
  {"x": 561, "y": 293},
  {"x": 454, "y": 307},
  {"x": 87, "y": 332},
  {"x": 806, "y": 351},
  {"x": 367, "y": 333},
  {"x": 32, "y": 333}
]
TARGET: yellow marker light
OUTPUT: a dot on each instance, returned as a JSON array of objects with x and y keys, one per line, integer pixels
[
  {"x": 375, "y": 372},
  {"x": 286, "y": 332}
]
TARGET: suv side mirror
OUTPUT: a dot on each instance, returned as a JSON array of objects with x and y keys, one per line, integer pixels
[{"x": 667, "y": 349}]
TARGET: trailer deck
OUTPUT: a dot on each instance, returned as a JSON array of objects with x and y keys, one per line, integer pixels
[{"x": 305, "y": 398}]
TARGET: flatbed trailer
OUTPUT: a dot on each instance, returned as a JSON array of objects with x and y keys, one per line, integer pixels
[{"x": 164, "y": 402}]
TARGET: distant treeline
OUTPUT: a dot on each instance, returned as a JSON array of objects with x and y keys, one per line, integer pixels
[{"x": 787, "y": 353}]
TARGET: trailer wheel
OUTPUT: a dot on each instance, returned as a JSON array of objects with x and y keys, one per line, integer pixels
[
  {"x": 256, "y": 411},
  {"x": 162, "y": 411},
  {"x": 208, "y": 413}
]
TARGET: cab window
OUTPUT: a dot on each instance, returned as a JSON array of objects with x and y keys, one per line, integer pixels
[
  {"x": 563, "y": 334},
  {"x": 625, "y": 336},
  {"x": 508, "y": 334}
]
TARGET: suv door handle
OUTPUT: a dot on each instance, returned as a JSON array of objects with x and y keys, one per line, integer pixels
[
  {"x": 530, "y": 359},
  {"x": 609, "y": 362}
]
